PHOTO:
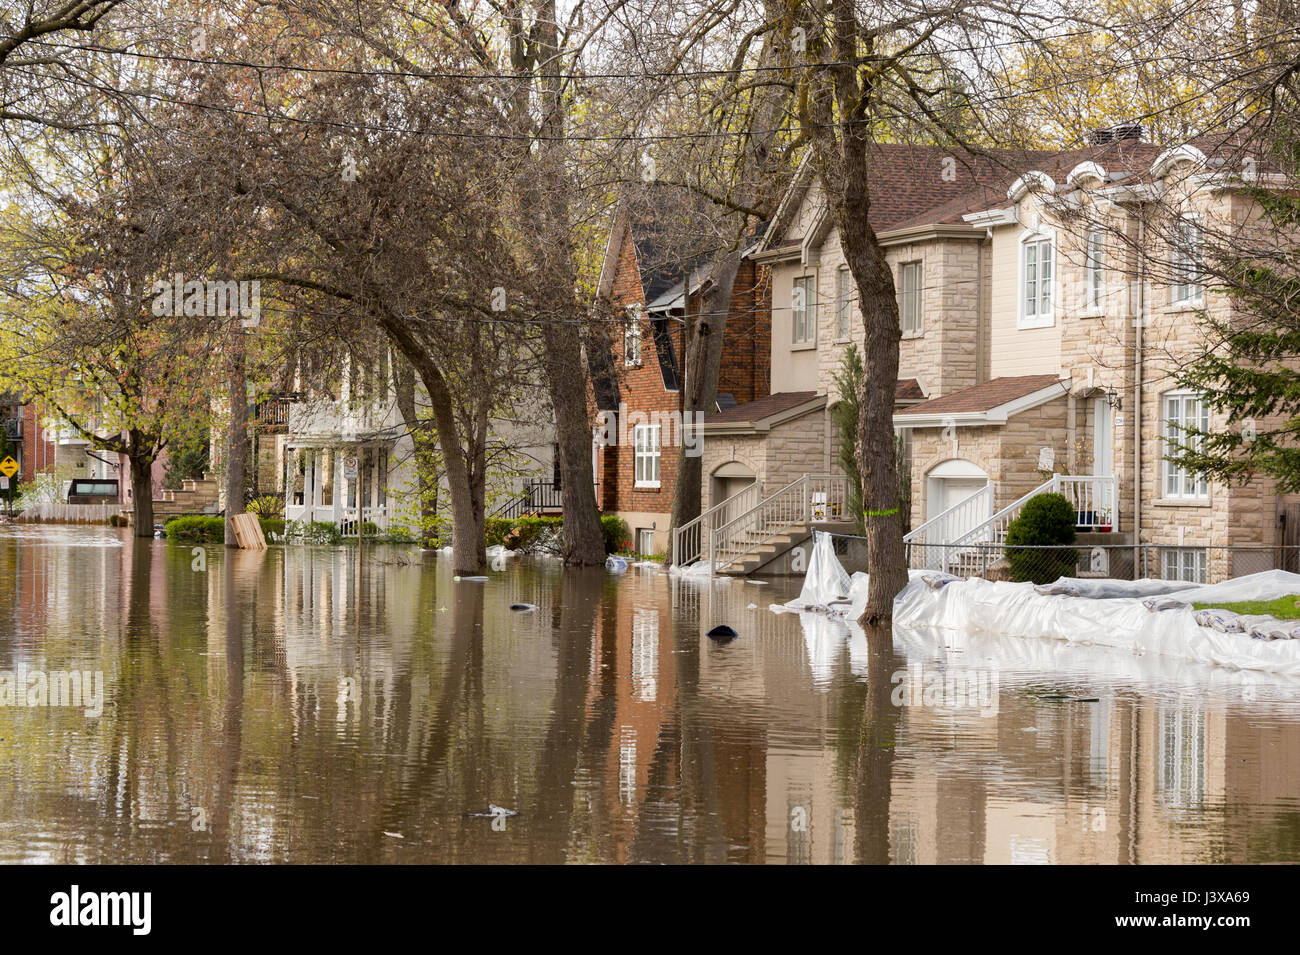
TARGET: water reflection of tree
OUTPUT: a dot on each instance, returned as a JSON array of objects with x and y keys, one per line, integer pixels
[
  {"x": 238, "y": 571},
  {"x": 865, "y": 742},
  {"x": 574, "y": 742}
]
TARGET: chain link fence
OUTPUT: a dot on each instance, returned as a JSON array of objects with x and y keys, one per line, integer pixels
[{"x": 1043, "y": 565}]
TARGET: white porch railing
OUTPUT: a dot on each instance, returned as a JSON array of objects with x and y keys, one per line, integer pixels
[
  {"x": 1096, "y": 505},
  {"x": 813, "y": 498},
  {"x": 692, "y": 540},
  {"x": 952, "y": 523}
]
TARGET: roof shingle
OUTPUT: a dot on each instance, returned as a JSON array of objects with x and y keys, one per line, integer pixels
[{"x": 983, "y": 397}]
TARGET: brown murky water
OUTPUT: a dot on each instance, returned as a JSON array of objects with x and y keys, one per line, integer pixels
[{"x": 300, "y": 705}]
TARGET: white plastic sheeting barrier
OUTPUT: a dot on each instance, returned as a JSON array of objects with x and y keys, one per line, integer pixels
[
  {"x": 1017, "y": 610},
  {"x": 827, "y": 586},
  {"x": 1113, "y": 615}
]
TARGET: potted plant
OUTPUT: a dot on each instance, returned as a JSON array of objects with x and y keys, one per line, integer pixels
[{"x": 1104, "y": 525}]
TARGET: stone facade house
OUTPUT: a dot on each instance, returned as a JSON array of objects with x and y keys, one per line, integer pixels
[{"x": 1045, "y": 299}]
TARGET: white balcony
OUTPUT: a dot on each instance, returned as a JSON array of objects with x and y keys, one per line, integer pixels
[{"x": 322, "y": 422}]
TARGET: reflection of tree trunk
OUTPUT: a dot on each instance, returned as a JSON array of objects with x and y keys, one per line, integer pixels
[
  {"x": 699, "y": 796},
  {"x": 237, "y": 437},
  {"x": 874, "y": 765},
  {"x": 233, "y": 718},
  {"x": 126, "y": 720},
  {"x": 462, "y": 688},
  {"x": 576, "y": 597},
  {"x": 661, "y": 790}
]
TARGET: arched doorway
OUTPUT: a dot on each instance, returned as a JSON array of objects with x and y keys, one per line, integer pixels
[
  {"x": 727, "y": 480},
  {"x": 949, "y": 484}
]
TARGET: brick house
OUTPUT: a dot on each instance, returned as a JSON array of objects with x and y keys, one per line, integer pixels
[{"x": 654, "y": 291}]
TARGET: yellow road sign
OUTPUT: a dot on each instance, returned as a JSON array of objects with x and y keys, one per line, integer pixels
[{"x": 8, "y": 467}]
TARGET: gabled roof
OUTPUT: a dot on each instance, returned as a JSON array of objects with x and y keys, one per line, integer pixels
[
  {"x": 990, "y": 402},
  {"x": 918, "y": 185},
  {"x": 762, "y": 414},
  {"x": 752, "y": 411}
]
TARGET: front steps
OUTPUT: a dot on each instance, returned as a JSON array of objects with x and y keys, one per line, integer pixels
[
  {"x": 194, "y": 497},
  {"x": 773, "y": 556}
]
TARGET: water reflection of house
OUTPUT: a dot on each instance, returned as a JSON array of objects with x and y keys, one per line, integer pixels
[
  {"x": 1123, "y": 780},
  {"x": 633, "y": 688}
]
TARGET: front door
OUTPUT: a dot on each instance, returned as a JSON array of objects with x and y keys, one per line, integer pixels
[
  {"x": 1102, "y": 463},
  {"x": 949, "y": 484},
  {"x": 956, "y": 490}
]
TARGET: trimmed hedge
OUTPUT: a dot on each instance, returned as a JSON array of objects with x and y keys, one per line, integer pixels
[
  {"x": 495, "y": 531},
  {"x": 1045, "y": 521},
  {"x": 199, "y": 528}
]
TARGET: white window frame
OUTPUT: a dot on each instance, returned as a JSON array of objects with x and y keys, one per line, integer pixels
[
  {"x": 1188, "y": 564},
  {"x": 911, "y": 300},
  {"x": 1043, "y": 314},
  {"x": 646, "y": 454},
  {"x": 803, "y": 317},
  {"x": 1187, "y": 262},
  {"x": 632, "y": 338},
  {"x": 1177, "y": 483},
  {"x": 843, "y": 304},
  {"x": 1096, "y": 271}
]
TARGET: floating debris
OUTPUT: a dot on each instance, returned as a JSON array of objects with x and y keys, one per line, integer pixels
[
  {"x": 469, "y": 580},
  {"x": 722, "y": 632},
  {"x": 523, "y": 608}
]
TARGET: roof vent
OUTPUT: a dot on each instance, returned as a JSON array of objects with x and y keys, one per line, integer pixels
[{"x": 1112, "y": 134}]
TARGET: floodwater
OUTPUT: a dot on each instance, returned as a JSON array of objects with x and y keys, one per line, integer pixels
[{"x": 310, "y": 705}]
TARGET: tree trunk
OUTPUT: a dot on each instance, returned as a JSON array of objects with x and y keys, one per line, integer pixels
[
  {"x": 704, "y": 350},
  {"x": 236, "y": 437},
  {"x": 468, "y": 553},
  {"x": 584, "y": 545},
  {"x": 424, "y": 448},
  {"x": 142, "y": 492},
  {"x": 835, "y": 112},
  {"x": 877, "y": 453}
]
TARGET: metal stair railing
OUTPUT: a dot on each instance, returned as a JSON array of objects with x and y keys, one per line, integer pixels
[
  {"x": 691, "y": 540},
  {"x": 944, "y": 527},
  {"x": 809, "y": 499}
]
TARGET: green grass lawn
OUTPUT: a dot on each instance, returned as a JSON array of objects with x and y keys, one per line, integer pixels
[{"x": 1284, "y": 608}]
